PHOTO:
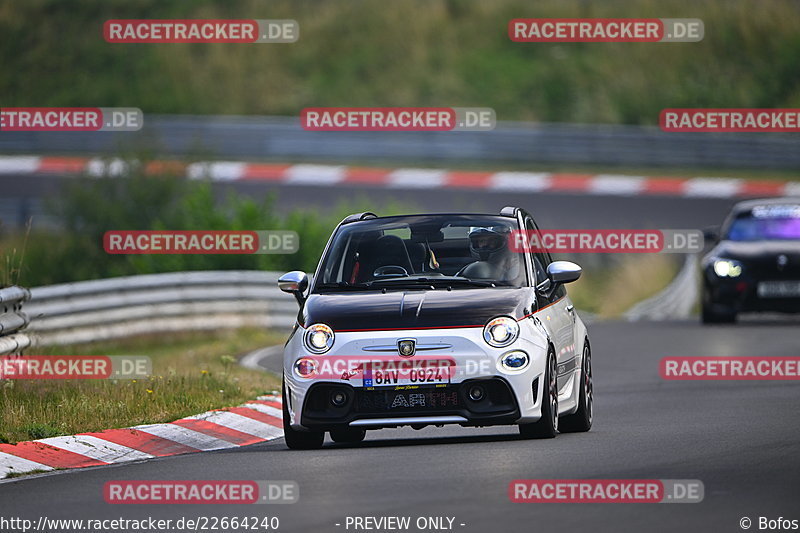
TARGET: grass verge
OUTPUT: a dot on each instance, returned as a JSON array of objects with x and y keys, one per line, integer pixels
[
  {"x": 610, "y": 291},
  {"x": 192, "y": 373}
]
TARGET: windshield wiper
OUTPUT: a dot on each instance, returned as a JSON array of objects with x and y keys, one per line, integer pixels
[
  {"x": 438, "y": 280},
  {"x": 343, "y": 285}
]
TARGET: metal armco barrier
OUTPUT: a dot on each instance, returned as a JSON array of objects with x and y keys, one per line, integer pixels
[
  {"x": 13, "y": 320},
  {"x": 237, "y": 138},
  {"x": 676, "y": 300},
  {"x": 87, "y": 311},
  {"x": 181, "y": 301}
]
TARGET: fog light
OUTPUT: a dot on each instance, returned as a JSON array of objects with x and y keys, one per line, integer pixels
[
  {"x": 476, "y": 393},
  {"x": 515, "y": 361},
  {"x": 338, "y": 398},
  {"x": 305, "y": 368}
]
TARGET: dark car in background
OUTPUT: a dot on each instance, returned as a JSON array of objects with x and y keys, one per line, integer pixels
[{"x": 755, "y": 262}]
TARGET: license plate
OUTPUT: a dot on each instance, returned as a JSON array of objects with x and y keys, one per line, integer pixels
[
  {"x": 405, "y": 373},
  {"x": 778, "y": 289},
  {"x": 410, "y": 399}
]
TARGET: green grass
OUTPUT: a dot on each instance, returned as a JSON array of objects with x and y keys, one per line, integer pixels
[
  {"x": 612, "y": 290},
  {"x": 196, "y": 372},
  {"x": 192, "y": 373},
  {"x": 404, "y": 53}
]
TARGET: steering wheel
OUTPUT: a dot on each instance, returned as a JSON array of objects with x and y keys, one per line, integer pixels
[
  {"x": 390, "y": 271},
  {"x": 460, "y": 273}
]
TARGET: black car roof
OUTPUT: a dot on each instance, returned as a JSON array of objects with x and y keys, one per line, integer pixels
[
  {"x": 356, "y": 218},
  {"x": 750, "y": 204}
]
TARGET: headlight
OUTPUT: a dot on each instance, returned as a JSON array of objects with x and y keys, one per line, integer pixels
[
  {"x": 515, "y": 361},
  {"x": 727, "y": 268},
  {"x": 318, "y": 338},
  {"x": 501, "y": 331}
]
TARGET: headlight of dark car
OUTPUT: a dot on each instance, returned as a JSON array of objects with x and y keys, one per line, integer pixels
[{"x": 726, "y": 268}]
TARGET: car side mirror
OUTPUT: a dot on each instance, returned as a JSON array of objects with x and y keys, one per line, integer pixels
[
  {"x": 563, "y": 272},
  {"x": 296, "y": 283},
  {"x": 558, "y": 272}
]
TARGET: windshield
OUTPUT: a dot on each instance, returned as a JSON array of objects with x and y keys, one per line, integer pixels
[
  {"x": 451, "y": 250},
  {"x": 778, "y": 222}
]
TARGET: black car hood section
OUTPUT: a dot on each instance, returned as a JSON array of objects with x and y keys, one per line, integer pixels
[
  {"x": 397, "y": 309},
  {"x": 744, "y": 250}
]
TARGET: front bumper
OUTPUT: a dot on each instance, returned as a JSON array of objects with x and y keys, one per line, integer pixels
[
  {"x": 740, "y": 295},
  {"x": 410, "y": 405},
  {"x": 510, "y": 397}
]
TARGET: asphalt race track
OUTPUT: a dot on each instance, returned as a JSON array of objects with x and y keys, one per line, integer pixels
[
  {"x": 551, "y": 210},
  {"x": 740, "y": 438}
]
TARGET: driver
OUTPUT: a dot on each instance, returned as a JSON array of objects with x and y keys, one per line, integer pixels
[{"x": 493, "y": 259}]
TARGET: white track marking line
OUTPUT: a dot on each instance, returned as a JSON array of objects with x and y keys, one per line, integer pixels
[
  {"x": 416, "y": 178},
  {"x": 616, "y": 184},
  {"x": 219, "y": 171},
  {"x": 315, "y": 174},
  {"x": 520, "y": 181},
  {"x": 185, "y": 436},
  {"x": 95, "y": 448},
  {"x": 19, "y": 164},
  {"x": 11, "y": 464},
  {"x": 266, "y": 409},
  {"x": 241, "y": 423},
  {"x": 713, "y": 187}
]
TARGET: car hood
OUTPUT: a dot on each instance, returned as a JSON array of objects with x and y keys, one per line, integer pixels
[
  {"x": 365, "y": 310},
  {"x": 744, "y": 250}
]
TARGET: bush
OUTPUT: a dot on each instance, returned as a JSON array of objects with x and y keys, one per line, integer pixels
[{"x": 89, "y": 207}]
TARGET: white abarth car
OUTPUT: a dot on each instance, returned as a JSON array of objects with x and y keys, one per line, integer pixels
[{"x": 434, "y": 319}]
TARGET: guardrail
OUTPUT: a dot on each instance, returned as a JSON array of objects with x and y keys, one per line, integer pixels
[
  {"x": 536, "y": 143},
  {"x": 148, "y": 304},
  {"x": 13, "y": 320},
  {"x": 676, "y": 301},
  {"x": 112, "y": 308}
]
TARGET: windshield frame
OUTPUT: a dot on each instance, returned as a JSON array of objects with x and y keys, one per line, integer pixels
[
  {"x": 749, "y": 215},
  {"x": 512, "y": 221}
]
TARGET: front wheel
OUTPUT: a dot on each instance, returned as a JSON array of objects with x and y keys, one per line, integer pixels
[
  {"x": 299, "y": 440},
  {"x": 547, "y": 426},
  {"x": 581, "y": 420},
  {"x": 708, "y": 314}
]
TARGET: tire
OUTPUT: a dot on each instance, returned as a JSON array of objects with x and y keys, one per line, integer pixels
[
  {"x": 547, "y": 426},
  {"x": 581, "y": 420},
  {"x": 299, "y": 440},
  {"x": 709, "y": 316},
  {"x": 348, "y": 435}
]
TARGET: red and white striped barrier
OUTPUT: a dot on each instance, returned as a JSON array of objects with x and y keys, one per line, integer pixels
[
  {"x": 413, "y": 178},
  {"x": 256, "y": 421}
]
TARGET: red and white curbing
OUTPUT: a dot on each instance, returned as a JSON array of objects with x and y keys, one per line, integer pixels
[
  {"x": 414, "y": 178},
  {"x": 256, "y": 421}
]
